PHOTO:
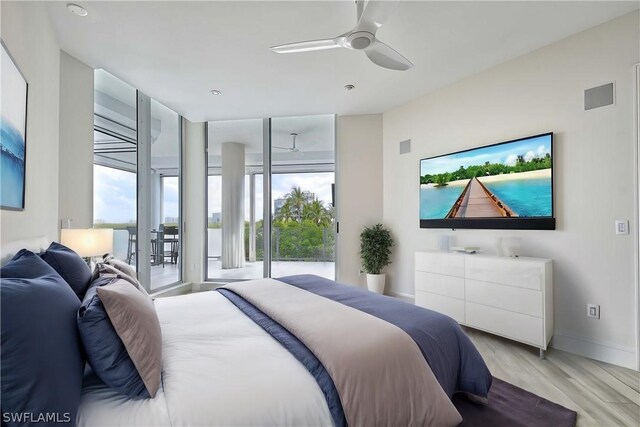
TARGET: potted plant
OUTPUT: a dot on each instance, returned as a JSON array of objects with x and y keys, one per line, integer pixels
[{"x": 375, "y": 251}]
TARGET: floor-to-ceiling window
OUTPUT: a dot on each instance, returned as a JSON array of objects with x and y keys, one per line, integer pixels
[
  {"x": 302, "y": 191},
  {"x": 115, "y": 162},
  {"x": 166, "y": 230},
  {"x": 118, "y": 154},
  {"x": 235, "y": 199},
  {"x": 299, "y": 197}
]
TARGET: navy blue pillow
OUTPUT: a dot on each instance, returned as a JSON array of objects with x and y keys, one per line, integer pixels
[
  {"x": 73, "y": 269},
  {"x": 105, "y": 350},
  {"x": 42, "y": 358}
]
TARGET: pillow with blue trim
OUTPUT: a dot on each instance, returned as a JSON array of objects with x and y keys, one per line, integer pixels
[
  {"x": 42, "y": 358},
  {"x": 73, "y": 269}
]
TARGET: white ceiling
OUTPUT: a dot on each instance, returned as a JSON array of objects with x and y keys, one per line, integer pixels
[{"x": 177, "y": 52}]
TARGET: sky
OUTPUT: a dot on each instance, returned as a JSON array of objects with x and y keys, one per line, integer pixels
[
  {"x": 114, "y": 195},
  {"x": 503, "y": 153},
  {"x": 115, "y": 192}
]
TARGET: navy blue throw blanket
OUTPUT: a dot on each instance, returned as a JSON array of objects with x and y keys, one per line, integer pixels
[
  {"x": 454, "y": 360},
  {"x": 300, "y": 351}
]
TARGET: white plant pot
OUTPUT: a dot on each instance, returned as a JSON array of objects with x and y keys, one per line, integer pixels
[{"x": 375, "y": 282}]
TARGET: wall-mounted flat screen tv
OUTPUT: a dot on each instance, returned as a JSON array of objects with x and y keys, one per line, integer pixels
[{"x": 501, "y": 186}]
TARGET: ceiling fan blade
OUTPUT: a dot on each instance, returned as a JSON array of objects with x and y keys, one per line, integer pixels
[
  {"x": 375, "y": 14},
  {"x": 308, "y": 46},
  {"x": 281, "y": 148},
  {"x": 384, "y": 56}
]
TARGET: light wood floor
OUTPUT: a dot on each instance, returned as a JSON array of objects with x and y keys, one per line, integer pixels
[{"x": 601, "y": 394}]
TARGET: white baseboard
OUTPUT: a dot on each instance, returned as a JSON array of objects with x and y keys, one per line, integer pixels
[
  {"x": 179, "y": 289},
  {"x": 609, "y": 353},
  {"x": 401, "y": 295},
  {"x": 206, "y": 286}
]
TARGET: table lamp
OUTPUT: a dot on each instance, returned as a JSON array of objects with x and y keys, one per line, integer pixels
[{"x": 88, "y": 242}]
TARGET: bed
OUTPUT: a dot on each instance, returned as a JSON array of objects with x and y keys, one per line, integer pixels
[
  {"x": 223, "y": 366},
  {"x": 301, "y": 350}
]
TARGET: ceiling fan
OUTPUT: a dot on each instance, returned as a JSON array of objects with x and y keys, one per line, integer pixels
[
  {"x": 293, "y": 148},
  {"x": 363, "y": 37}
]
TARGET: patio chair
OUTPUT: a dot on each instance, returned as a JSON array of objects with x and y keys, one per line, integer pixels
[
  {"x": 131, "y": 245},
  {"x": 171, "y": 236}
]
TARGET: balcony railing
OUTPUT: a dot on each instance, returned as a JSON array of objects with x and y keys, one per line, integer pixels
[
  {"x": 292, "y": 242},
  {"x": 303, "y": 243}
]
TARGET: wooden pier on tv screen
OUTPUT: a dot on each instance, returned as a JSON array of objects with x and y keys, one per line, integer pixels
[{"x": 476, "y": 201}]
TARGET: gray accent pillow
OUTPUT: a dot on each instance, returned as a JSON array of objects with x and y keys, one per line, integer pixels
[
  {"x": 107, "y": 269},
  {"x": 135, "y": 320},
  {"x": 122, "y": 266}
]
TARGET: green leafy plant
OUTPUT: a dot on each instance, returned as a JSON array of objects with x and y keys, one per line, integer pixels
[
  {"x": 375, "y": 248},
  {"x": 441, "y": 180}
]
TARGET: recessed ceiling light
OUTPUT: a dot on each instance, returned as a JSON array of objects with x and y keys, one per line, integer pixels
[
  {"x": 216, "y": 92},
  {"x": 349, "y": 87},
  {"x": 76, "y": 9}
]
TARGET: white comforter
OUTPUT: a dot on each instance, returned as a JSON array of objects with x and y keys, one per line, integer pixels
[{"x": 219, "y": 368}]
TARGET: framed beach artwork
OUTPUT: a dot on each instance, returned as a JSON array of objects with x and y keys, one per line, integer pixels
[{"x": 13, "y": 133}]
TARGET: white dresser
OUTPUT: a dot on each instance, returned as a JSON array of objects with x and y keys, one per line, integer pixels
[{"x": 510, "y": 297}]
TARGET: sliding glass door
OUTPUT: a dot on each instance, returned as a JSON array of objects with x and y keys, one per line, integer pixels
[
  {"x": 302, "y": 188},
  {"x": 166, "y": 211},
  {"x": 137, "y": 179},
  {"x": 115, "y": 162},
  {"x": 297, "y": 199}
]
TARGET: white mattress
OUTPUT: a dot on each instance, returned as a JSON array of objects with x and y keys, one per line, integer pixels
[{"x": 219, "y": 368}]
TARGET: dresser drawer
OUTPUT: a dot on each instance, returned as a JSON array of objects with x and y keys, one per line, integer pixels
[
  {"x": 525, "y": 301},
  {"x": 440, "y": 284},
  {"x": 508, "y": 271},
  {"x": 452, "y": 307},
  {"x": 519, "y": 327},
  {"x": 440, "y": 263}
]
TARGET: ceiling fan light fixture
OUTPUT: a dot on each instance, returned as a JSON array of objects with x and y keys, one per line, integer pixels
[
  {"x": 359, "y": 40},
  {"x": 371, "y": 16},
  {"x": 293, "y": 148}
]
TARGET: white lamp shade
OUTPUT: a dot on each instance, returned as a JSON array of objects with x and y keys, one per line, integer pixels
[{"x": 88, "y": 242}]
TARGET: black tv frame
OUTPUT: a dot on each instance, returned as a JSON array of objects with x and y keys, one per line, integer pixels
[{"x": 535, "y": 223}]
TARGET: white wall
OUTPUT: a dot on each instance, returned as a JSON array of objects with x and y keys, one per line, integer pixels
[
  {"x": 194, "y": 199},
  {"x": 76, "y": 142},
  {"x": 359, "y": 195},
  {"x": 27, "y": 33},
  {"x": 594, "y": 174}
]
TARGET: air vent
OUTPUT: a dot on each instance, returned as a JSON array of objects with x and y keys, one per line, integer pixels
[
  {"x": 599, "y": 96},
  {"x": 405, "y": 146}
]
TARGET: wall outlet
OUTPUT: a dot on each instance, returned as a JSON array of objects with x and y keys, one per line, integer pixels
[
  {"x": 622, "y": 226},
  {"x": 593, "y": 311}
]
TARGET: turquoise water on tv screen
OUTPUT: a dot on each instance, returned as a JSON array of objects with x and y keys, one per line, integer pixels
[
  {"x": 435, "y": 202},
  {"x": 526, "y": 197}
]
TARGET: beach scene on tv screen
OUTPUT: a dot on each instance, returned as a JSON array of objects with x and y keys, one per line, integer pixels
[{"x": 511, "y": 180}]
